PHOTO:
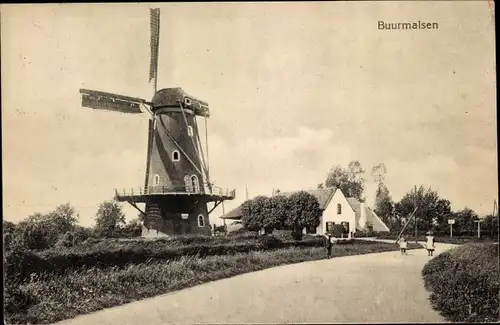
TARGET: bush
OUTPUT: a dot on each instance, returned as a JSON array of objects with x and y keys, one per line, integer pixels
[
  {"x": 283, "y": 234},
  {"x": 297, "y": 235},
  {"x": 372, "y": 233},
  {"x": 336, "y": 230},
  {"x": 17, "y": 300},
  {"x": 464, "y": 283}
]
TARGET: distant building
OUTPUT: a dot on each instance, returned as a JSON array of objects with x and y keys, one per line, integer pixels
[{"x": 336, "y": 209}]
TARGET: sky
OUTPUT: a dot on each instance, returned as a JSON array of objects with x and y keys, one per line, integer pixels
[{"x": 294, "y": 89}]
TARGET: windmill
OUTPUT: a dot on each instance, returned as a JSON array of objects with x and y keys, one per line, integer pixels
[{"x": 177, "y": 188}]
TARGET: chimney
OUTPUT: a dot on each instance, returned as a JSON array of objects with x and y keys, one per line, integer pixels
[{"x": 362, "y": 217}]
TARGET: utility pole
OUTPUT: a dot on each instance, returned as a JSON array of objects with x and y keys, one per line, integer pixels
[
  {"x": 223, "y": 214},
  {"x": 493, "y": 217}
]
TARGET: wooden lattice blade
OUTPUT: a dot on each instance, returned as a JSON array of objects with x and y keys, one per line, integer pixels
[{"x": 113, "y": 102}]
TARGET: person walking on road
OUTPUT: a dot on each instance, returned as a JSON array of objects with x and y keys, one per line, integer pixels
[
  {"x": 329, "y": 246},
  {"x": 429, "y": 244}
]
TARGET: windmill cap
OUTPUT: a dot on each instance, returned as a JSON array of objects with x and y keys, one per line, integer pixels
[{"x": 169, "y": 98}]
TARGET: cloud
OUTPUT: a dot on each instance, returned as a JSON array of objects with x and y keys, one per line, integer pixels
[{"x": 288, "y": 162}]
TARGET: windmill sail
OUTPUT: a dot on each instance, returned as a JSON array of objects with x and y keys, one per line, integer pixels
[
  {"x": 155, "y": 41},
  {"x": 113, "y": 102}
]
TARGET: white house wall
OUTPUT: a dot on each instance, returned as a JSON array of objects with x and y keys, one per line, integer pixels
[{"x": 330, "y": 213}]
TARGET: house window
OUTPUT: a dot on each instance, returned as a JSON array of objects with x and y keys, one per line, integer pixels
[
  {"x": 175, "y": 155},
  {"x": 339, "y": 208},
  {"x": 329, "y": 225},
  {"x": 190, "y": 130},
  {"x": 157, "y": 179},
  {"x": 201, "y": 221},
  {"x": 195, "y": 184}
]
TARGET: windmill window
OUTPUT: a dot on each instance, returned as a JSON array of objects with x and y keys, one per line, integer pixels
[
  {"x": 157, "y": 179},
  {"x": 175, "y": 155},
  {"x": 195, "y": 184},
  {"x": 190, "y": 130},
  {"x": 339, "y": 208},
  {"x": 201, "y": 221}
]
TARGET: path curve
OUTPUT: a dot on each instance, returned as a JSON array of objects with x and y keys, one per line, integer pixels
[{"x": 381, "y": 287}]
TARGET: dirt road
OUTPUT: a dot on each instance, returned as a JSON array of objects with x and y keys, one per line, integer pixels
[{"x": 383, "y": 287}]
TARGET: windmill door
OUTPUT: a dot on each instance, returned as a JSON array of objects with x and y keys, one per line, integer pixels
[{"x": 177, "y": 226}]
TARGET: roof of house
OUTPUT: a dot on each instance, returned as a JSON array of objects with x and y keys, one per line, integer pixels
[
  {"x": 234, "y": 214},
  {"x": 377, "y": 223},
  {"x": 371, "y": 216},
  {"x": 323, "y": 195}
]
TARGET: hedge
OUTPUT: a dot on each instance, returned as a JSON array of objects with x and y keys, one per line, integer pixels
[
  {"x": 464, "y": 283},
  {"x": 20, "y": 264},
  {"x": 443, "y": 239}
]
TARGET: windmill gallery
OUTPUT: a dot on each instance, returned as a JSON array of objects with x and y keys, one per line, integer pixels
[{"x": 177, "y": 188}]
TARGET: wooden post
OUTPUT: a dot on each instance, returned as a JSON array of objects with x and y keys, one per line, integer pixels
[
  {"x": 416, "y": 221},
  {"x": 407, "y": 223},
  {"x": 478, "y": 228}
]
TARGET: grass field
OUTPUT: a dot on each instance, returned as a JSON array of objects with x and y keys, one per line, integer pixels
[{"x": 46, "y": 297}]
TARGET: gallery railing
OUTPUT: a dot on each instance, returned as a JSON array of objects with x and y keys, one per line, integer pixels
[{"x": 152, "y": 190}]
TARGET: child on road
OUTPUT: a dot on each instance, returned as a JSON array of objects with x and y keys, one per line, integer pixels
[
  {"x": 403, "y": 245},
  {"x": 430, "y": 244}
]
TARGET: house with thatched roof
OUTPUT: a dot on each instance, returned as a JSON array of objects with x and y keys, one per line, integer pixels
[{"x": 336, "y": 209}]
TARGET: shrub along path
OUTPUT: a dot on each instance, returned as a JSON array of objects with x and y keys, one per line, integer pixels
[{"x": 380, "y": 287}]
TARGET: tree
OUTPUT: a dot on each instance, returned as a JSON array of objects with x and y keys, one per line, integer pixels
[
  {"x": 8, "y": 227},
  {"x": 384, "y": 206},
  {"x": 253, "y": 213},
  {"x": 132, "y": 229},
  {"x": 383, "y": 203},
  {"x": 378, "y": 173},
  {"x": 64, "y": 217},
  {"x": 490, "y": 226},
  {"x": 41, "y": 231},
  {"x": 109, "y": 218},
  {"x": 350, "y": 181},
  {"x": 464, "y": 222},
  {"x": 432, "y": 210},
  {"x": 275, "y": 213},
  {"x": 304, "y": 212}
]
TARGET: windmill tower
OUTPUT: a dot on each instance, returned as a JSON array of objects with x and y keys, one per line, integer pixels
[{"x": 177, "y": 188}]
